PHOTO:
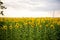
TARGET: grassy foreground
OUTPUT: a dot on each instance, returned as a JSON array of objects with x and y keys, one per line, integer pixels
[{"x": 29, "y": 28}]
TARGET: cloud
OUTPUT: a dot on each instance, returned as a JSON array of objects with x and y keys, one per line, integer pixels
[
  {"x": 33, "y": 4},
  {"x": 17, "y": 4},
  {"x": 31, "y": 8},
  {"x": 46, "y": 1},
  {"x": 47, "y": 5}
]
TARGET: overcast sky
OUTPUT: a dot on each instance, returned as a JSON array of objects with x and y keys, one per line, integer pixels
[{"x": 31, "y": 7}]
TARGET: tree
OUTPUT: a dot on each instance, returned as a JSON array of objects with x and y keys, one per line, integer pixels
[{"x": 2, "y": 7}]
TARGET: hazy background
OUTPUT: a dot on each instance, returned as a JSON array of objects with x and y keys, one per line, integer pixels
[{"x": 32, "y": 8}]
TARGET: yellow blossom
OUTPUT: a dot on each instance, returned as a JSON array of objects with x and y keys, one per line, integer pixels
[
  {"x": 5, "y": 27},
  {"x": 40, "y": 26},
  {"x": 46, "y": 25},
  {"x": 17, "y": 25},
  {"x": 32, "y": 26},
  {"x": 10, "y": 27},
  {"x": 58, "y": 23},
  {"x": 52, "y": 26}
]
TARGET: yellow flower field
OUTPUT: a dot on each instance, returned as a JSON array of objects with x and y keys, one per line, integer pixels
[{"x": 29, "y": 28}]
